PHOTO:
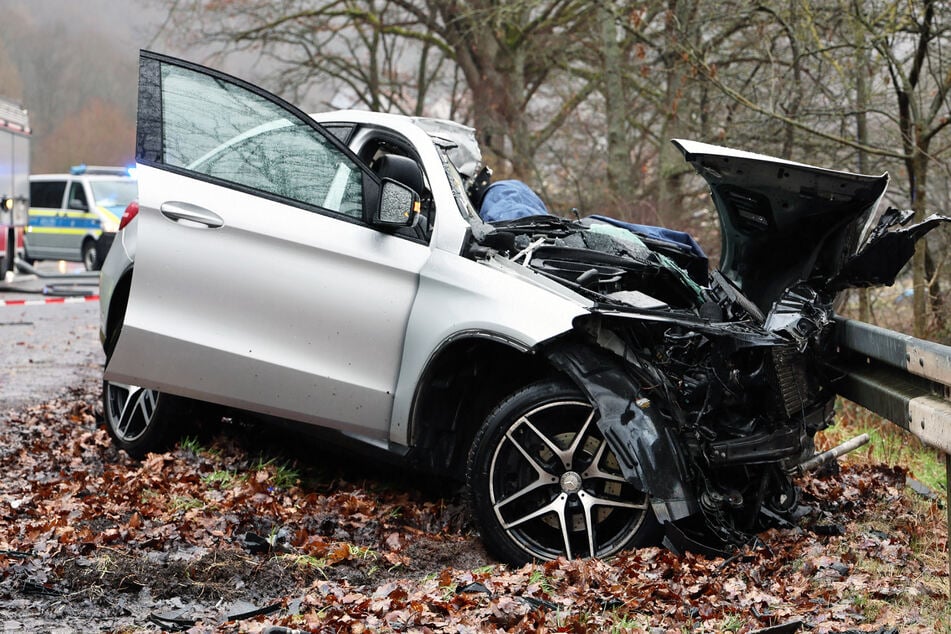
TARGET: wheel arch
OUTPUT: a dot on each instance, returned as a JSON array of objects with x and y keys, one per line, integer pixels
[
  {"x": 645, "y": 445},
  {"x": 118, "y": 302},
  {"x": 89, "y": 239},
  {"x": 462, "y": 382}
]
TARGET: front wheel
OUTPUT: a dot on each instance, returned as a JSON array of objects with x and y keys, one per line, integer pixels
[
  {"x": 140, "y": 420},
  {"x": 543, "y": 482}
]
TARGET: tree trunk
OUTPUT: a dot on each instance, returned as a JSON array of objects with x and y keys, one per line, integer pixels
[
  {"x": 935, "y": 296},
  {"x": 669, "y": 160},
  {"x": 861, "y": 135},
  {"x": 919, "y": 194},
  {"x": 618, "y": 168}
]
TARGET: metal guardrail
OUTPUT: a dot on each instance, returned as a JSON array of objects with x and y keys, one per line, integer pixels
[{"x": 900, "y": 378}]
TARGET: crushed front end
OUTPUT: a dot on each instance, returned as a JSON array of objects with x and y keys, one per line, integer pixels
[
  {"x": 711, "y": 417},
  {"x": 710, "y": 386}
]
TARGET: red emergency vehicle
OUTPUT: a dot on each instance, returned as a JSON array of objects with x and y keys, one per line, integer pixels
[{"x": 14, "y": 181}]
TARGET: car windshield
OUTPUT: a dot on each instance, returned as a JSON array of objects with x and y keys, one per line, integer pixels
[{"x": 114, "y": 193}]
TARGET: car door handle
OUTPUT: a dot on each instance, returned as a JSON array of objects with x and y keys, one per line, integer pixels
[{"x": 193, "y": 213}]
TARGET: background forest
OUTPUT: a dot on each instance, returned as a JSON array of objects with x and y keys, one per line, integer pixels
[{"x": 578, "y": 98}]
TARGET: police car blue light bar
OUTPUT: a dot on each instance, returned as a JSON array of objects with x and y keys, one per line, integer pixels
[{"x": 100, "y": 170}]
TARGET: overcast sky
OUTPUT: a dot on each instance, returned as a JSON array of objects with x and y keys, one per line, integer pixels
[{"x": 128, "y": 23}]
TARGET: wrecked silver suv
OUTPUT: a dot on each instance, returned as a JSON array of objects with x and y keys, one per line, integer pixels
[{"x": 592, "y": 383}]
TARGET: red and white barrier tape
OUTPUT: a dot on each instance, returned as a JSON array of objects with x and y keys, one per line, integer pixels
[{"x": 49, "y": 300}]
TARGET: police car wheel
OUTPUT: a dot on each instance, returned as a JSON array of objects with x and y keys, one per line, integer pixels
[
  {"x": 141, "y": 420},
  {"x": 91, "y": 256}
]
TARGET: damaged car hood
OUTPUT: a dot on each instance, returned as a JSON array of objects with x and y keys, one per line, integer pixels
[
  {"x": 793, "y": 235},
  {"x": 783, "y": 222}
]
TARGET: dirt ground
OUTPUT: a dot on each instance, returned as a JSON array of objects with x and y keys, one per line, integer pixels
[
  {"x": 244, "y": 528},
  {"x": 231, "y": 524}
]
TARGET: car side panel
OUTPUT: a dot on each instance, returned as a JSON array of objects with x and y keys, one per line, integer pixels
[
  {"x": 59, "y": 233},
  {"x": 282, "y": 310},
  {"x": 44, "y": 236}
]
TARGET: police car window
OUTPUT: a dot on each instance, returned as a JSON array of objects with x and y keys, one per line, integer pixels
[
  {"x": 47, "y": 194},
  {"x": 224, "y": 131},
  {"x": 114, "y": 193},
  {"x": 77, "y": 197}
]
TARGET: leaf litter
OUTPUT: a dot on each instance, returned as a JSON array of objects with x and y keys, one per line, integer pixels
[{"x": 247, "y": 529}]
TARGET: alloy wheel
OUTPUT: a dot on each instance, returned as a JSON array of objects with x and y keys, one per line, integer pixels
[
  {"x": 131, "y": 410},
  {"x": 556, "y": 488}
]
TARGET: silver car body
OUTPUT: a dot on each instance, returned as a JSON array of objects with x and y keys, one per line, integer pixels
[{"x": 355, "y": 367}]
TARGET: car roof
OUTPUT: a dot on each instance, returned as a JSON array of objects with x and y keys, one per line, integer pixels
[
  {"x": 399, "y": 123},
  {"x": 441, "y": 132},
  {"x": 90, "y": 177}
]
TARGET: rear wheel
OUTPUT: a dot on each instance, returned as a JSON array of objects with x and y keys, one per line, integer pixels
[
  {"x": 141, "y": 420},
  {"x": 543, "y": 482},
  {"x": 91, "y": 258}
]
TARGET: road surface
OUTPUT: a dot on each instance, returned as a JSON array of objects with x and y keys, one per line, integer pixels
[{"x": 45, "y": 348}]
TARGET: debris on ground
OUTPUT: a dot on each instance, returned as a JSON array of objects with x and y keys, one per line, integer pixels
[{"x": 237, "y": 530}]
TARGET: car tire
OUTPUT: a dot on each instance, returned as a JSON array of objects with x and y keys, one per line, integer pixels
[
  {"x": 8, "y": 258},
  {"x": 141, "y": 420},
  {"x": 91, "y": 259},
  {"x": 543, "y": 483}
]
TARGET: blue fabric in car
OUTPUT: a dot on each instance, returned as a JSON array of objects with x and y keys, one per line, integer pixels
[{"x": 510, "y": 199}]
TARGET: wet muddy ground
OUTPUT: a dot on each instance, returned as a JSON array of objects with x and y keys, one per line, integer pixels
[
  {"x": 246, "y": 527},
  {"x": 241, "y": 518}
]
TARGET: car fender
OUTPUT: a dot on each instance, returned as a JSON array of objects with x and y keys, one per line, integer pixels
[
  {"x": 647, "y": 451},
  {"x": 493, "y": 299},
  {"x": 116, "y": 270}
]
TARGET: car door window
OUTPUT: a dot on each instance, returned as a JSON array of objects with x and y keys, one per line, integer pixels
[
  {"x": 77, "y": 197},
  {"x": 230, "y": 133},
  {"x": 281, "y": 162},
  {"x": 47, "y": 194}
]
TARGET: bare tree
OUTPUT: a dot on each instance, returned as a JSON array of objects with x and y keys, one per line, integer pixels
[
  {"x": 82, "y": 79},
  {"x": 391, "y": 55},
  {"x": 804, "y": 56},
  {"x": 911, "y": 39}
]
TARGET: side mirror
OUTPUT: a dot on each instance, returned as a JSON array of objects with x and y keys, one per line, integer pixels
[
  {"x": 75, "y": 203},
  {"x": 399, "y": 206}
]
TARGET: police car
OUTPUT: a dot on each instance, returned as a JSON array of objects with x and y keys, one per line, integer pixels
[{"x": 75, "y": 216}]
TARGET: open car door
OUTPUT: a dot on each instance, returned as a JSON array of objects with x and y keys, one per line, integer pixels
[{"x": 258, "y": 281}]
